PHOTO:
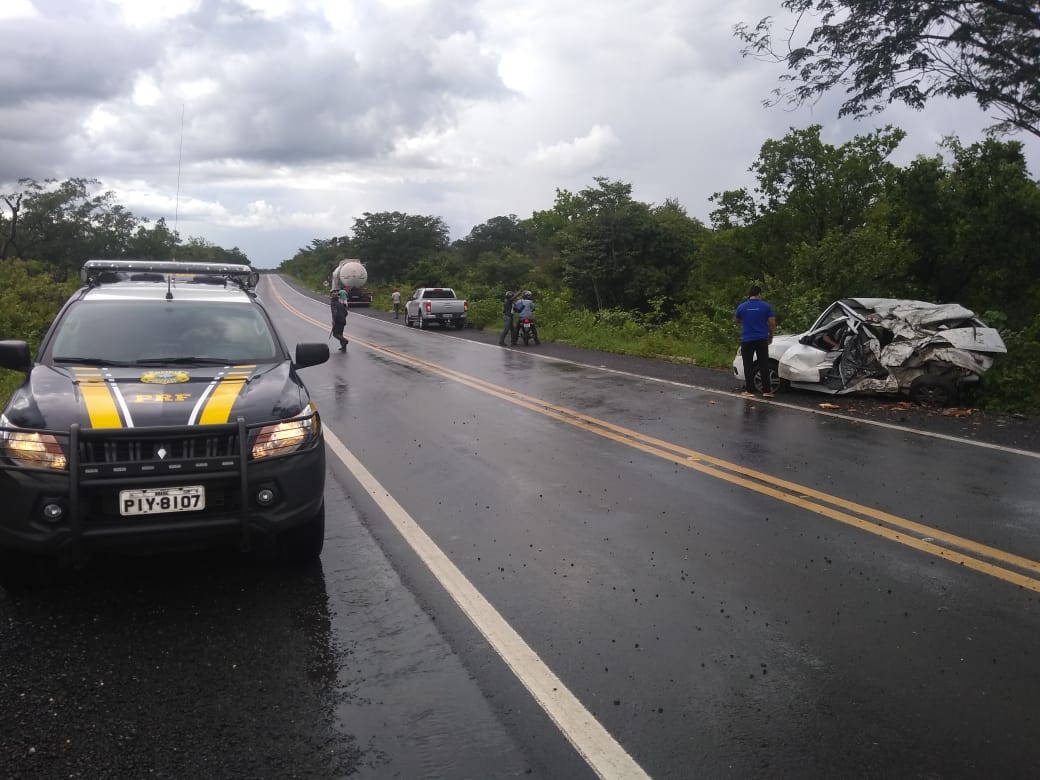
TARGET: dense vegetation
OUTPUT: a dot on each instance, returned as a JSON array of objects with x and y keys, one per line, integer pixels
[{"x": 821, "y": 222}]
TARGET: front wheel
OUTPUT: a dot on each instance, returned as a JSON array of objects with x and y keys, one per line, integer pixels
[
  {"x": 775, "y": 382},
  {"x": 301, "y": 545},
  {"x": 933, "y": 391}
]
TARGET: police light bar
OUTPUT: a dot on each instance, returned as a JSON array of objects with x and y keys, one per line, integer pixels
[{"x": 92, "y": 269}]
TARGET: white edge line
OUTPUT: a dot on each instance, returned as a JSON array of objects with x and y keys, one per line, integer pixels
[
  {"x": 587, "y": 735},
  {"x": 726, "y": 394}
]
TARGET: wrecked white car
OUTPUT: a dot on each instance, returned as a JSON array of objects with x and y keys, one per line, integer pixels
[{"x": 885, "y": 345}]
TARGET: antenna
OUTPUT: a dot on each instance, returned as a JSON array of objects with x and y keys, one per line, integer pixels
[{"x": 177, "y": 197}]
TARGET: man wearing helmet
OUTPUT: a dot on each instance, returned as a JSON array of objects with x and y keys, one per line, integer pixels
[
  {"x": 525, "y": 308},
  {"x": 507, "y": 319}
]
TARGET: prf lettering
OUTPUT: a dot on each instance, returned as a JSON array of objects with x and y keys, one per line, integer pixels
[{"x": 158, "y": 398}]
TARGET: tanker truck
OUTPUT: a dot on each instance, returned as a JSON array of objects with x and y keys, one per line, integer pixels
[{"x": 350, "y": 275}]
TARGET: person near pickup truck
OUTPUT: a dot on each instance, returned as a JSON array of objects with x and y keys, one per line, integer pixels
[
  {"x": 507, "y": 319},
  {"x": 524, "y": 308},
  {"x": 338, "y": 304},
  {"x": 395, "y": 299}
]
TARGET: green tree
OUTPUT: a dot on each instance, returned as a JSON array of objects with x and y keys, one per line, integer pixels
[
  {"x": 602, "y": 244},
  {"x": 870, "y": 260},
  {"x": 669, "y": 257},
  {"x": 388, "y": 242},
  {"x": 315, "y": 263},
  {"x": 156, "y": 242},
  {"x": 885, "y": 51},
  {"x": 197, "y": 248},
  {"x": 64, "y": 223},
  {"x": 496, "y": 235},
  {"x": 439, "y": 268},
  {"x": 805, "y": 190},
  {"x": 974, "y": 226}
]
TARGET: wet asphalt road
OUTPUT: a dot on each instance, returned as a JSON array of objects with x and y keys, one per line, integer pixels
[{"x": 718, "y": 620}]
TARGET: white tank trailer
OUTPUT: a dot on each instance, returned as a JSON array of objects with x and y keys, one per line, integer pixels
[{"x": 350, "y": 275}]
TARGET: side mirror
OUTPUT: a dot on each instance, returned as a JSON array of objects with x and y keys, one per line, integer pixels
[
  {"x": 15, "y": 355},
  {"x": 311, "y": 354}
]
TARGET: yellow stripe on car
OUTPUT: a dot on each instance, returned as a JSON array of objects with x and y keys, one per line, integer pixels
[
  {"x": 97, "y": 396},
  {"x": 218, "y": 407}
]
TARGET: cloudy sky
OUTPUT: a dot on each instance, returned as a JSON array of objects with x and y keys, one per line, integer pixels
[{"x": 264, "y": 124}]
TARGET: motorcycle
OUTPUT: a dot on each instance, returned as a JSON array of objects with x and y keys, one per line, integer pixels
[{"x": 527, "y": 331}]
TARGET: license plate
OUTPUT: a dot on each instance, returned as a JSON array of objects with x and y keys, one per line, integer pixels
[{"x": 155, "y": 501}]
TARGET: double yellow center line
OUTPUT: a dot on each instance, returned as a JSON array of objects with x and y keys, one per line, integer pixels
[{"x": 982, "y": 558}]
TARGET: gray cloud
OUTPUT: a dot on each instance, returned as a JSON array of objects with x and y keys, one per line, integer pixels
[{"x": 297, "y": 118}]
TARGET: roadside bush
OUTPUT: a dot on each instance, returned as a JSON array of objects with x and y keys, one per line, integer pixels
[
  {"x": 485, "y": 306},
  {"x": 1013, "y": 384},
  {"x": 30, "y": 297}
]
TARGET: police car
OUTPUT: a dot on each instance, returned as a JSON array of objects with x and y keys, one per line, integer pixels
[{"x": 162, "y": 411}]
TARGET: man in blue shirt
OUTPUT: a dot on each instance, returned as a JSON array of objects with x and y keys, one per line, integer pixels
[{"x": 758, "y": 322}]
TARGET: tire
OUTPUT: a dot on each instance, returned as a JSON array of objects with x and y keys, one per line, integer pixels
[
  {"x": 527, "y": 338},
  {"x": 775, "y": 382},
  {"x": 407, "y": 320},
  {"x": 422, "y": 322},
  {"x": 303, "y": 544},
  {"x": 460, "y": 324},
  {"x": 933, "y": 391}
]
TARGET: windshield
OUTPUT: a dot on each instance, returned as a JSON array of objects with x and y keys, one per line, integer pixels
[{"x": 154, "y": 331}]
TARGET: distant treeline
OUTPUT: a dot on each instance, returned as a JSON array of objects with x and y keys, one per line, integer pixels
[{"x": 64, "y": 223}]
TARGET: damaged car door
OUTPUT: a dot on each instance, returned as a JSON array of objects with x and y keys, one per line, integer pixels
[{"x": 839, "y": 354}]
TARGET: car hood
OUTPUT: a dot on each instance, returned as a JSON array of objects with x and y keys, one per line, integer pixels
[
  {"x": 928, "y": 323},
  {"x": 54, "y": 397},
  {"x": 971, "y": 339}
]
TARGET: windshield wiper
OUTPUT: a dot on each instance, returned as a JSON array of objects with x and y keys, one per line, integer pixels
[
  {"x": 85, "y": 361},
  {"x": 187, "y": 360}
]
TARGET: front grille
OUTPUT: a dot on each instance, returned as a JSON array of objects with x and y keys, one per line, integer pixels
[
  {"x": 159, "y": 449},
  {"x": 108, "y": 454}
]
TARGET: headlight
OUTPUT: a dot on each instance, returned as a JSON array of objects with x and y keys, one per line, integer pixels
[
  {"x": 285, "y": 437},
  {"x": 31, "y": 449}
]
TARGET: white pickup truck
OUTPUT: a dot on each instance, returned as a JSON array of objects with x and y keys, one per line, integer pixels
[{"x": 435, "y": 304}]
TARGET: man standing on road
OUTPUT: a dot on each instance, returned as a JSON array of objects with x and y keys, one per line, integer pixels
[
  {"x": 507, "y": 319},
  {"x": 339, "y": 318},
  {"x": 395, "y": 299},
  {"x": 758, "y": 322}
]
